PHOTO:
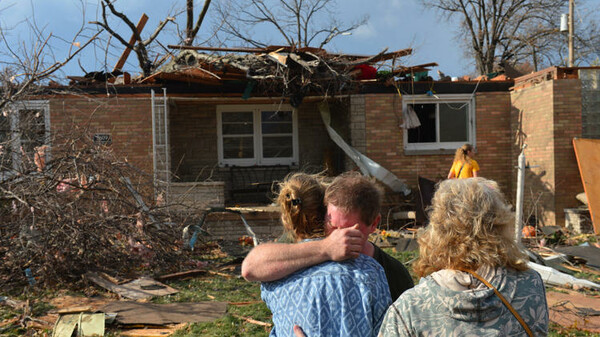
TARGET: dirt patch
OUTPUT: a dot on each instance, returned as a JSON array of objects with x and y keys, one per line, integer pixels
[{"x": 574, "y": 310}]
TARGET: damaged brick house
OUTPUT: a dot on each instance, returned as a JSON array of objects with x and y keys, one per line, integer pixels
[{"x": 218, "y": 130}]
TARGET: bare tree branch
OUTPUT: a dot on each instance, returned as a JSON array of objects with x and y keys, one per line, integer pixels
[
  {"x": 299, "y": 23},
  {"x": 502, "y": 31},
  {"x": 140, "y": 46}
]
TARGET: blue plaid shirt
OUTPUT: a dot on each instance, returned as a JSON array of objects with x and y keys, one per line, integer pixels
[{"x": 346, "y": 298}]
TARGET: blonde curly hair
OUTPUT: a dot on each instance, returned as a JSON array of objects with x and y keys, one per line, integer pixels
[
  {"x": 301, "y": 201},
  {"x": 471, "y": 226}
]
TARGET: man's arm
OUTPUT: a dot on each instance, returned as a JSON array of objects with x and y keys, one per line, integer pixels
[{"x": 272, "y": 261}]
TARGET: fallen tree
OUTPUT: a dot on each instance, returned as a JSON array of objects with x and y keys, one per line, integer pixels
[{"x": 83, "y": 210}]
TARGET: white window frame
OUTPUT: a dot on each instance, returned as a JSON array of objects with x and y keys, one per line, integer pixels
[
  {"x": 16, "y": 142},
  {"x": 441, "y": 99},
  {"x": 257, "y": 135}
]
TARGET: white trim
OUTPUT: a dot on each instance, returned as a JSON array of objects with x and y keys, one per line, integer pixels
[
  {"x": 441, "y": 99},
  {"x": 258, "y": 159},
  {"x": 14, "y": 117}
]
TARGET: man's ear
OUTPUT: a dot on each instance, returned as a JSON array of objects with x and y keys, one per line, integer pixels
[{"x": 375, "y": 223}]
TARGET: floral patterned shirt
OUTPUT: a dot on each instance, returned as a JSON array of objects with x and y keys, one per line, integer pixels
[{"x": 429, "y": 309}]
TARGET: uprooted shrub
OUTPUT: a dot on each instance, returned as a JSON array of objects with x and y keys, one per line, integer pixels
[{"x": 82, "y": 210}]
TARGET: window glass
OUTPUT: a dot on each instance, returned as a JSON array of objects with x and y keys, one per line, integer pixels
[
  {"x": 237, "y": 123},
  {"x": 276, "y": 122},
  {"x": 5, "y": 146},
  {"x": 32, "y": 129},
  {"x": 453, "y": 122},
  {"x": 278, "y": 147},
  {"x": 426, "y": 133},
  {"x": 237, "y": 117},
  {"x": 238, "y": 147},
  {"x": 257, "y": 135}
]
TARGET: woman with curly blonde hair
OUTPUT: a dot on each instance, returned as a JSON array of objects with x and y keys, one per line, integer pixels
[{"x": 474, "y": 279}]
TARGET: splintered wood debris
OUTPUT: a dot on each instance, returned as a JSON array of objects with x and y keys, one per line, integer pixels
[{"x": 280, "y": 69}]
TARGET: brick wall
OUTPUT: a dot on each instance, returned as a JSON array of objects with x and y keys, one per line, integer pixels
[
  {"x": 546, "y": 117},
  {"x": 317, "y": 150},
  {"x": 197, "y": 195},
  {"x": 194, "y": 140},
  {"x": 266, "y": 225},
  {"x": 533, "y": 124},
  {"x": 384, "y": 139},
  {"x": 567, "y": 125},
  {"x": 127, "y": 120},
  {"x": 193, "y": 128}
]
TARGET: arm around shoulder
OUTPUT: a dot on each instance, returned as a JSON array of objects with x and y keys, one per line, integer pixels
[{"x": 273, "y": 261}]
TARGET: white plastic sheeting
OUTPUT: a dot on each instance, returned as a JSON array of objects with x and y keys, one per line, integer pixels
[
  {"x": 366, "y": 165},
  {"x": 552, "y": 276}
]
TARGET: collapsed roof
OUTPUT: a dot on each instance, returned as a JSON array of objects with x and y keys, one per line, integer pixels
[{"x": 279, "y": 70}]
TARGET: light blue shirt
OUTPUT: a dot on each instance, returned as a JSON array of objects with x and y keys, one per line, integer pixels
[{"x": 346, "y": 298}]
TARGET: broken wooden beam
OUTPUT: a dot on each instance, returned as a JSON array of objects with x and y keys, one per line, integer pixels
[{"x": 125, "y": 55}]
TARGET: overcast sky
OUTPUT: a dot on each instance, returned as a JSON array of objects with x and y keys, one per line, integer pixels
[{"x": 392, "y": 24}]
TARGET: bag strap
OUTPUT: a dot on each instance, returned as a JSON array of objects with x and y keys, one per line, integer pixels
[
  {"x": 459, "y": 171},
  {"x": 508, "y": 306}
]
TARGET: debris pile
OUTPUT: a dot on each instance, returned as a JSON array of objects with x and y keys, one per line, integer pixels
[
  {"x": 83, "y": 210},
  {"x": 275, "y": 70}
]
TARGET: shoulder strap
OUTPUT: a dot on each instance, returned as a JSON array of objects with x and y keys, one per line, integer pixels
[
  {"x": 508, "y": 306},
  {"x": 459, "y": 171}
]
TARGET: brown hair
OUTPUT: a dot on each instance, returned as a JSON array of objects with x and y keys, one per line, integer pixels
[
  {"x": 302, "y": 209},
  {"x": 470, "y": 226},
  {"x": 461, "y": 154},
  {"x": 353, "y": 192}
]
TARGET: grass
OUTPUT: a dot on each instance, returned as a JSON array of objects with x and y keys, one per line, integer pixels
[
  {"x": 244, "y": 299},
  {"x": 246, "y": 313},
  {"x": 559, "y": 331}
]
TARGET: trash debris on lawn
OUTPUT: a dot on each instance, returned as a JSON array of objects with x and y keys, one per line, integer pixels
[
  {"x": 142, "y": 288},
  {"x": 182, "y": 275},
  {"x": 133, "y": 313},
  {"x": 553, "y": 277},
  {"x": 82, "y": 324}
]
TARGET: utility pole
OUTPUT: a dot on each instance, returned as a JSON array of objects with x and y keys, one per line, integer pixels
[
  {"x": 520, "y": 189},
  {"x": 571, "y": 31}
]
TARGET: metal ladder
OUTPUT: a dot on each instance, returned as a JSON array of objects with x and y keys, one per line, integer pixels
[{"x": 160, "y": 142}]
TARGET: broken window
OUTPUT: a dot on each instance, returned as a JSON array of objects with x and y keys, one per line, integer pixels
[
  {"x": 446, "y": 122},
  {"x": 24, "y": 128},
  {"x": 257, "y": 135}
]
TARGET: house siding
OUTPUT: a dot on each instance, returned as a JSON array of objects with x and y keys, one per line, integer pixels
[
  {"x": 384, "y": 140},
  {"x": 127, "y": 121},
  {"x": 193, "y": 128},
  {"x": 546, "y": 117}
]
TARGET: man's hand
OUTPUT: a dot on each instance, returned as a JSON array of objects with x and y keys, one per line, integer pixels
[
  {"x": 298, "y": 331},
  {"x": 344, "y": 243}
]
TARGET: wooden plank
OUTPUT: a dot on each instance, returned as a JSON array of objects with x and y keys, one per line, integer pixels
[
  {"x": 413, "y": 69},
  {"x": 179, "y": 275},
  {"x": 587, "y": 152},
  {"x": 233, "y": 50},
  {"x": 141, "y": 288},
  {"x": 125, "y": 55}
]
